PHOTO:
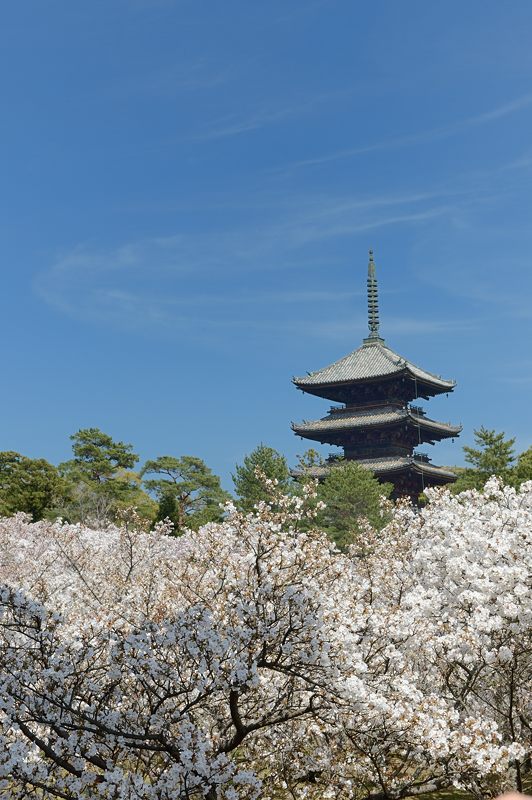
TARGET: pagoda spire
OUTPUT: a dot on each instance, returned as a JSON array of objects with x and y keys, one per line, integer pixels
[{"x": 373, "y": 302}]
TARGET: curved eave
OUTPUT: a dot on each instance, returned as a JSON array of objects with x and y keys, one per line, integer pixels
[
  {"x": 334, "y": 427},
  {"x": 373, "y": 361},
  {"x": 435, "y": 385},
  {"x": 382, "y": 467},
  {"x": 409, "y": 464}
]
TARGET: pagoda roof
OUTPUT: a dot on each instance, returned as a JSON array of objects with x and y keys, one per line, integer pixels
[
  {"x": 348, "y": 419},
  {"x": 385, "y": 466},
  {"x": 371, "y": 361}
]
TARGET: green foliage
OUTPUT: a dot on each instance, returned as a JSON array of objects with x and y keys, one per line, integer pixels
[
  {"x": 307, "y": 462},
  {"x": 494, "y": 455},
  {"x": 250, "y": 489},
  {"x": 100, "y": 479},
  {"x": 309, "y": 459},
  {"x": 467, "y": 479},
  {"x": 132, "y": 495},
  {"x": 350, "y": 492},
  {"x": 31, "y": 485},
  {"x": 523, "y": 468},
  {"x": 98, "y": 456},
  {"x": 187, "y": 491}
]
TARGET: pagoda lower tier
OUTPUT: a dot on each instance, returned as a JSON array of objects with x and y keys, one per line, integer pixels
[
  {"x": 382, "y": 437},
  {"x": 409, "y": 475}
]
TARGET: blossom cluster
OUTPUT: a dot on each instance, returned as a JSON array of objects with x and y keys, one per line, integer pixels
[{"x": 252, "y": 659}]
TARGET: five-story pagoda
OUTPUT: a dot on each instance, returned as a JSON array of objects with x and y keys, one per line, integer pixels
[{"x": 377, "y": 425}]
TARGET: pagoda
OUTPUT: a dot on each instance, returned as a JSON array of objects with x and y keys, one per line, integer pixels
[{"x": 376, "y": 424}]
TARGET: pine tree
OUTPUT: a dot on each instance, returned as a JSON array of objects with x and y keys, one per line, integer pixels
[
  {"x": 350, "y": 492},
  {"x": 494, "y": 455},
  {"x": 187, "y": 491},
  {"x": 250, "y": 489}
]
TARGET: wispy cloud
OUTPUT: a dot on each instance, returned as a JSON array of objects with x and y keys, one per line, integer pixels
[
  {"x": 429, "y": 135},
  {"x": 111, "y": 284},
  {"x": 309, "y": 233},
  {"x": 499, "y": 281},
  {"x": 160, "y": 281},
  {"x": 235, "y": 124},
  {"x": 152, "y": 283},
  {"x": 172, "y": 79},
  {"x": 522, "y": 162},
  {"x": 257, "y": 118}
]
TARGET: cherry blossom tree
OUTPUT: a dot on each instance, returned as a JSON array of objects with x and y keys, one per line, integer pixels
[{"x": 252, "y": 659}]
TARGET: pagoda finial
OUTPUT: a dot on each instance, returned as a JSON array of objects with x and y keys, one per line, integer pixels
[{"x": 373, "y": 300}]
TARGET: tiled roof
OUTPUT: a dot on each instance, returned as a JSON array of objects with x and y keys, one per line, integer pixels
[
  {"x": 396, "y": 463},
  {"x": 382, "y": 466},
  {"x": 372, "y": 360},
  {"x": 350, "y": 418}
]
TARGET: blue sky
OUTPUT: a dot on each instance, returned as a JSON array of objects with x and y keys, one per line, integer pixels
[{"x": 189, "y": 191}]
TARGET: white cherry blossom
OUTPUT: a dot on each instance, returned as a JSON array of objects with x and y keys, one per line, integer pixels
[{"x": 252, "y": 659}]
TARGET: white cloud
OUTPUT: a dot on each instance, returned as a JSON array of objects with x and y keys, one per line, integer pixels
[
  {"x": 172, "y": 79},
  {"x": 165, "y": 281},
  {"x": 260, "y": 117},
  {"x": 433, "y": 134}
]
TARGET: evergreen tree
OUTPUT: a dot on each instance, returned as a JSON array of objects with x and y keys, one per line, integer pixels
[
  {"x": 31, "y": 485},
  {"x": 350, "y": 492},
  {"x": 250, "y": 489},
  {"x": 101, "y": 479},
  {"x": 523, "y": 469},
  {"x": 494, "y": 455},
  {"x": 309, "y": 460},
  {"x": 98, "y": 456},
  {"x": 187, "y": 492}
]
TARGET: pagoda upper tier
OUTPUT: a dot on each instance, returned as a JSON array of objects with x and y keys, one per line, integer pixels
[{"x": 373, "y": 373}]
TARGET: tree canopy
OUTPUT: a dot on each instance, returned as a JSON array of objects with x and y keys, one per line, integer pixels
[
  {"x": 249, "y": 486},
  {"x": 101, "y": 479},
  {"x": 493, "y": 455},
  {"x": 187, "y": 491},
  {"x": 98, "y": 457},
  {"x": 523, "y": 469},
  {"x": 351, "y": 494},
  {"x": 31, "y": 485}
]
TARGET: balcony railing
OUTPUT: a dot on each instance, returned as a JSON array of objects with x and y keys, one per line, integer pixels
[{"x": 368, "y": 407}]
